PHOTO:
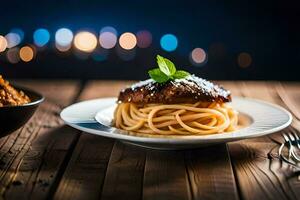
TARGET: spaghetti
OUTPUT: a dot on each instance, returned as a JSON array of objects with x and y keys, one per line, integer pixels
[{"x": 200, "y": 118}]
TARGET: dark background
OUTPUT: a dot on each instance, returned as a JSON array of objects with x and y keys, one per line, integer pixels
[{"x": 268, "y": 30}]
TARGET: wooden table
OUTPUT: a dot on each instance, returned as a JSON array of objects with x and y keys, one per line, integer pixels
[{"x": 47, "y": 159}]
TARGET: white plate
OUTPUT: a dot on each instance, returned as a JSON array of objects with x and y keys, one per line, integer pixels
[{"x": 259, "y": 118}]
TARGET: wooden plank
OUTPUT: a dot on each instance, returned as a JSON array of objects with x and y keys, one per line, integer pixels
[
  {"x": 88, "y": 183},
  {"x": 100, "y": 89},
  {"x": 33, "y": 156},
  {"x": 231, "y": 85},
  {"x": 259, "y": 173},
  {"x": 165, "y": 176},
  {"x": 260, "y": 90},
  {"x": 290, "y": 95},
  {"x": 85, "y": 173},
  {"x": 210, "y": 173},
  {"x": 124, "y": 176}
]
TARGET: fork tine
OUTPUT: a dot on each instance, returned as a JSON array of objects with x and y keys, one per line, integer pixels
[
  {"x": 297, "y": 145},
  {"x": 287, "y": 140},
  {"x": 293, "y": 142},
  {"x": 297, "y": 139},
  {"x": 283, "y": 158}
]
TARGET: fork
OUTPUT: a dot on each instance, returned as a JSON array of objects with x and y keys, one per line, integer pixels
[{"x": 292, "y": 140}]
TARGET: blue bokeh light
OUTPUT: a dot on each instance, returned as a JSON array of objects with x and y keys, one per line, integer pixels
[
  {"x": 169, "y": 42},
  {"x": 41, "y": 37},
  {"x": 64, "y": 36},
  {"x": 18, "y": 31},
  {"x": 109, "y": 29}
]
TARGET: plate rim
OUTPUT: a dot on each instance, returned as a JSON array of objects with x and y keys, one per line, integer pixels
[{"x": 179, "y": 140}]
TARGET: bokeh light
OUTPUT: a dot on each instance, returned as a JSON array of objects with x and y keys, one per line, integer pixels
[
  {"x": 198, "y": 56},
  {"x": 26, "y": 53},
  {"x": 13, "y": 39},
  {"x": 169, "y": 42},
  {"x": 18, "y": 31},
  {"x": 63, "y": 48},
  {"x": 107, "y": 40},
  {"x": 144, "y": 39},
  {"x": 85, "y": 41},
  {"x": 109, "y": 29},
  {"x": 41, "y": 37},
  {"x": 127, "y": 41},
  {"x": 63, "y": 37},
  {"x": 3, "y": 43},
  {"x": 244, "y": 60},
  {"x": 12, "y": 55}
]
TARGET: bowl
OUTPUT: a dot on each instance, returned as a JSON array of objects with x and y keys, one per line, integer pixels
[{"x": 14, "y": 117}]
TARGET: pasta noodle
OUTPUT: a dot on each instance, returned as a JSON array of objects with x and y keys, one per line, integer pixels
[{"x": 200, "y": 118}]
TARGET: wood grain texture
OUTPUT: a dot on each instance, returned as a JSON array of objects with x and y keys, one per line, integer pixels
[
  {"x": 165, "y": 176},
  {"x": 85, "y": 174},
  {"x": 290, "y": 95},
  {"x": 259, "y": 173},
  {"x": 124, "y": 175},
  {"x": 100, "y": 89},
  {"x": 46, "y": 159},
  {"x": 210, "y": 173},
  {"x": 32, "y": 156}
]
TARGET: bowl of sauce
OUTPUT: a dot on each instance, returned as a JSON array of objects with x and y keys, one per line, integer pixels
[{"x": 17, "y": 105}]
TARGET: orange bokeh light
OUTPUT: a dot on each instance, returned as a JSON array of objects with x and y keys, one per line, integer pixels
[
  {"x": 26, "y": 53},
  {"x": 244, "y": 60},
  {"x": 85, "y": 41},
  {"x": 3, "y": 43},
  {"x": 127, "y": 41}
]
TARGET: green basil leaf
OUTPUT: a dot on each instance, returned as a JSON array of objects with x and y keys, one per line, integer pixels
[
  {"x": 180, "y": 74},
  {"x": 170, "y": 66},
  {"x": 163, "y": 65},
  {"x": 158, "y": 76},
  {"x": 166, "y": 66}
]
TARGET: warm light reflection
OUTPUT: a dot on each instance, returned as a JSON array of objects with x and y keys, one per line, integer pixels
[
  {"x": 244, "y": 60},
  {"x": 85, "y": 41},
  {"x": 107, "y": 40},
  {"x": 144, "y": 39},
  {"x": 26, "y": 53},
  {"x": 198, "y": 56},
  {"x": 127, "y": 41},
  {"x": 12, "y": 55},
  {"x": 3, "y": 43}
]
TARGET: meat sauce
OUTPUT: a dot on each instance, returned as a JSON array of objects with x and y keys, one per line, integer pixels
[
  {"x": 9, "y": 96},
  {"x": 191, "y": 89}
]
